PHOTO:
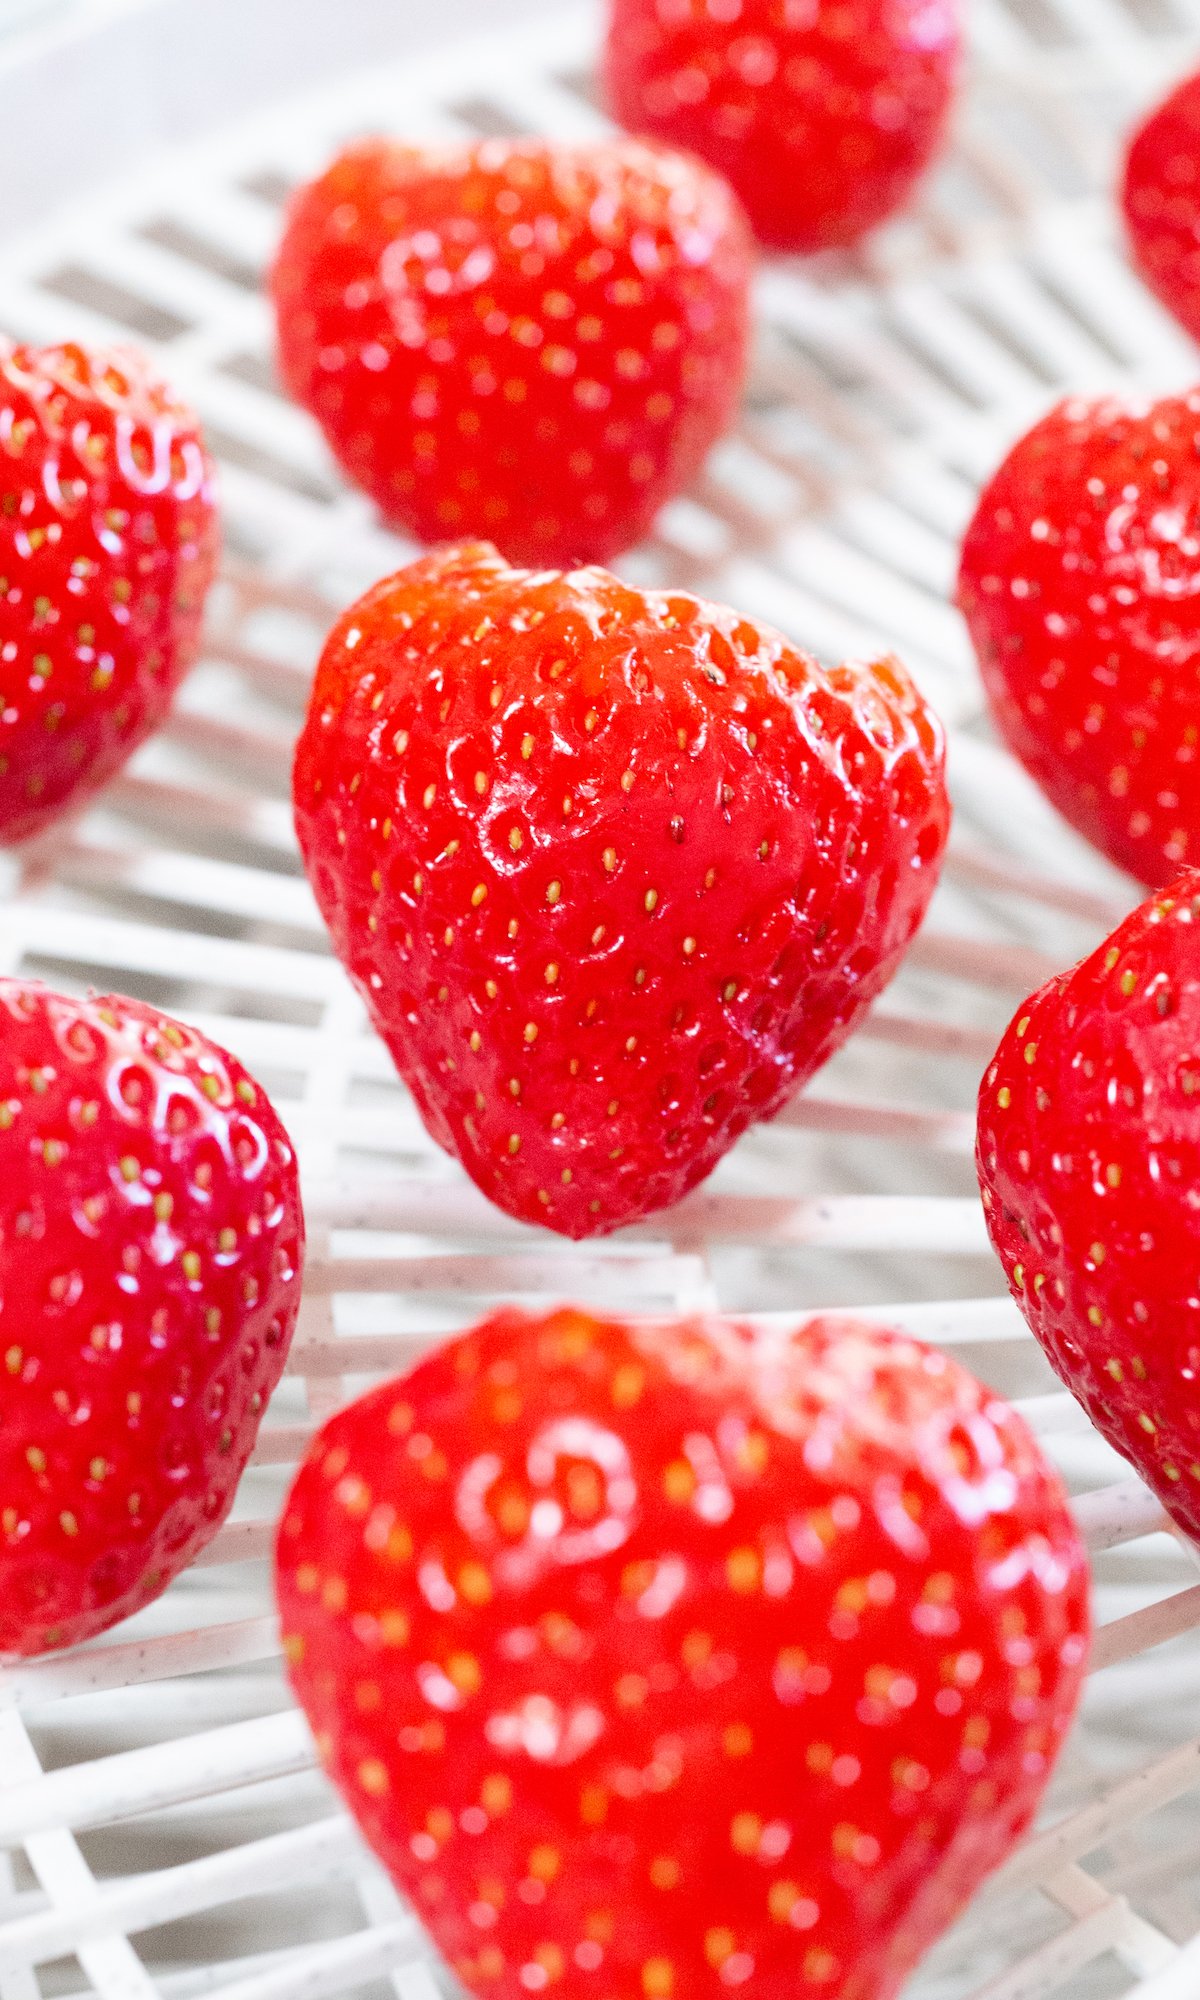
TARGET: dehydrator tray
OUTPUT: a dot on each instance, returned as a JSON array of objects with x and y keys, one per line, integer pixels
[{"x": 164, "y": 1830}]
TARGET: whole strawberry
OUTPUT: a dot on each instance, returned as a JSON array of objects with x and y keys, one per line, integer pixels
[
  {"x": 108, "y": 542},
  {"x": 534, "y": 342},
  {"x": 615, "y": 872},
  {"x": 1089, "y": 1160},
  {"x": 1080, "y": 582},
  {"x": 1161, "y": 198},
  {"x": 656, "y": 1663},
  {"x": 822, "y": 113},
  {"x": 150, "y": 1249}
]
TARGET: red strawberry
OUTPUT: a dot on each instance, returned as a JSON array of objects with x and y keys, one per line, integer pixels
[
  {"x": 1089, "y": 1159},
  {"x": 615, "y": 872},
  {"x": 529, "y": 341},
  {"x": 108, "y": 541},
  {"x": 150, "y": 1249},
  {"x": 656, "y": 1663},
  {"x": 1161, "y": 196},
  {"x": 823, "y": 113},
  {"x": 1080, "y": 582}
]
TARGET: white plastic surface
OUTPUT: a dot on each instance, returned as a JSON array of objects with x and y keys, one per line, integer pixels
[{"x": 163, "y": 1830}]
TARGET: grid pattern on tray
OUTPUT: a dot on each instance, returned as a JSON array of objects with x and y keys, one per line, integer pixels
[{"x": 163, "y": 1830}]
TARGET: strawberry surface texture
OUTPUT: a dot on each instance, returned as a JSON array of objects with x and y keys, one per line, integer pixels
[
  {"x": 1080, "y": 583},
  {"x": 1161, "y": 199},
  {"x": 108, "y": 542},
  {"x": 534, "y": 342},
  {"x": 662, "y": 1662},
  {"x": 150, "y": 1249},
  {"x": 1089, "y": 1161},
  {"x": 614, "y": 871},
  {"x": 822, "y": 113}
]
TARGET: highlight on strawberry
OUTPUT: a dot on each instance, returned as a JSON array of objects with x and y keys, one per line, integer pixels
[
  {"x": 664, "y": 1661},
  {"x": 824, "y": 114},
  {"x": 108, "y": 543},
  {"x": 1089, "y": 1161},
  {"x": 518, "y": 339},
  {"x": 1080, "y": 584},
  {"x": 151, "y": 1243},
  {"x": 615, "y": 871}
]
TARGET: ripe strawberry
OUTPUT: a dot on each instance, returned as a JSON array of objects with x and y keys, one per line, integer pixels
[
  {"x": 660, "y": 1662},
  {"x": 615, "y": 872},
  {"x": 108, "y": 541},
  {"x": 823, "y": 113},
  {"x": 1080, "y": 582},
  {"x": 529, "y": 341},
  {"x": 150, "y": 1249},
  {"x": 1161, "y": 197},
  {"x": 1089, "y": 1159}
]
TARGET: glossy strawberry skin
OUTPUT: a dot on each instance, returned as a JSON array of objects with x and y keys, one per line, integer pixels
[
  {"x": 1089, "y": 1161},
  {"x": 669, "y": 1661},
  {"x": 615, "y": 872},
  {"x": 822, "y": 113},
  {"x": 150, "y": 1248},
  {"x": 108, "y": 543},
  {"x": 530, "y": 342},
  {"x": 1080, "y": 582},
  {"x": 1161, "y": 199}
]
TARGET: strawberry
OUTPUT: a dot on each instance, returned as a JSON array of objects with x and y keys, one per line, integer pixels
[
  {"x": 1089, "y": 1160},
  {"x": 614, "y": 872},
  {"x": 1161, "y": 199},
  {"x": 150, "y": 1249},
  {"x": 659, "y": 1662},
  {"x": 108, "y": 542},
  {"x": 822, "y": 113},
  {"x": 529, "y": 341},
  {"x": 1080, "y": 582}
]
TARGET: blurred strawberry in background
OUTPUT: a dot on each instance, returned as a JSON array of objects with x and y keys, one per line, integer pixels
[
  {"x": 530, "y": 342},
  {"x": 1161, "y": 199},
  {"x": 822, "y": 113}
]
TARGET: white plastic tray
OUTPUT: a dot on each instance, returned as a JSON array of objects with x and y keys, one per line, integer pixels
[{"x": 166, "y": 1832}]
